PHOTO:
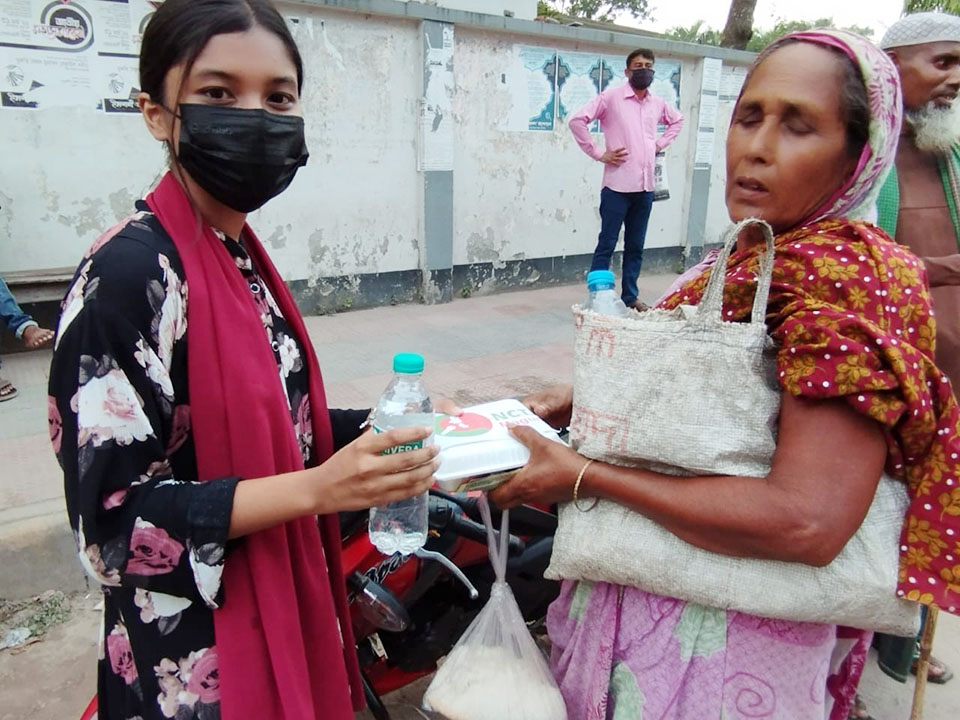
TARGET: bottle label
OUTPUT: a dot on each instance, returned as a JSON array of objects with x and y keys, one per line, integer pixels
[{"x": 402, "y": 448}]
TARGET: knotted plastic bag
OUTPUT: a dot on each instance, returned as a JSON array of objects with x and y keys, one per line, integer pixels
[{"x": 496, "y": 671}]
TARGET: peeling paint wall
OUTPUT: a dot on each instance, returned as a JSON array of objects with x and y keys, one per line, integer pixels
[
  {"x": 67, "y": 175},
  {"x": 357, "y": 209}
]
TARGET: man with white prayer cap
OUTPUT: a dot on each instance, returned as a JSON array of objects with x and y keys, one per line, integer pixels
[{"x": 919, "y": 206}]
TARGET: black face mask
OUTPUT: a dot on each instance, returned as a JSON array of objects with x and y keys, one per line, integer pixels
[
  {"x": 241, "y": 157},
  {"x": 641, "y": 78}
]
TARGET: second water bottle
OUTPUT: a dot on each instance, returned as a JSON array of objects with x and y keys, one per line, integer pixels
[{"x": 602, "y": 295}]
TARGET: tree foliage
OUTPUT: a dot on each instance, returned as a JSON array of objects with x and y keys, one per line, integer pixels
[
  {"x": 760, "y": 38},
  {"x": 602, "y": 10},
  {"x": 695, "y": 33},
  {"x": 948, "y": 6}
]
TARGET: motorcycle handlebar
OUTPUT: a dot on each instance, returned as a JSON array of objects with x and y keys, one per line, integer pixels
[
  {"x": 445, "y": 515},
  {"x": 524, "y": 519},
  {"x": 465, "y": 527}
]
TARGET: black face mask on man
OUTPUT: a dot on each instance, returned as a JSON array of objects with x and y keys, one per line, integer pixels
[
  {"x": 641, "y": 78},
  {"x": 243, "y": 158}
]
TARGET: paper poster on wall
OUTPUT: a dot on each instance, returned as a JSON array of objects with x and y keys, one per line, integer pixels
[
  {"x": 708, "y": 112},
  {"x": 71, "y": 53},
  {"x": 436, "y": 118},
  {"x": 709, "y": 101},
  {"x": 141, "y": 12},
  {"x": 117, "y": 83},
  {"x": 113, "y": 31},
  {"x": 45, "y": 53},
  {"x": 116, "y": 72},
  {"x": 704, "y": 152},
  {"x": 531, "y": 82},
  {"x": 45, "y": 25},
  {"x": 613, "y": 71},
  {"x": 712, "y": 73},
  {"x": 731, "y": 81},
  {"x": 35, "y": 79},
  {"x": 661, "y": 184},
  {"x": 579, "y": 76},
  {"x": 666, "y": 81}
]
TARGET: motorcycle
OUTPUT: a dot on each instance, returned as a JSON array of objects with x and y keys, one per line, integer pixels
[{"x": 408, "y": 611}]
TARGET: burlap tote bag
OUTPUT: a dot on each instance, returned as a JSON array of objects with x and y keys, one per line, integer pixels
[{"x": 685, "y": 393}]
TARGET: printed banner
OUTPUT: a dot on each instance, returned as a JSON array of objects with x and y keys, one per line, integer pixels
[
  {"x": 531, "y": 83},
  {"x": 71, "y": 53},
  {"x": 579, "y": 77}
]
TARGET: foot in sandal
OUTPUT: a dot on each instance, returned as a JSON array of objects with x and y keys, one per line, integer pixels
[
  {"x": 937, "y": 671},
  {"x": 7, "y": 390}
]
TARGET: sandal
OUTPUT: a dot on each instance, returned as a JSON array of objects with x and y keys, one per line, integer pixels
[
  {"x": 7, "y": 390},
  {"x": 937, "y": 671},
  {"x": 858, "y": 711}
]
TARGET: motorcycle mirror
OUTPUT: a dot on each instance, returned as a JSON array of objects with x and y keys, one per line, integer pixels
[{"x": 378, "y": 605}]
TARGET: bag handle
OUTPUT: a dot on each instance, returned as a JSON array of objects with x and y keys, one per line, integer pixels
[
  {"x": 498, "y": 555},
  {"x": 711, "y": 304}
]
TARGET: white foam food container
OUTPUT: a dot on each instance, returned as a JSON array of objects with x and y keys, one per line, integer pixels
[{"x": 477, "y": 442}]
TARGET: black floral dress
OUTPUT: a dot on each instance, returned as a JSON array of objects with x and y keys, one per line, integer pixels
[{"x": 147, "y": 531}]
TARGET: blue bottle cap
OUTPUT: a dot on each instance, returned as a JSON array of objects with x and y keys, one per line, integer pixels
[
  {"x": 408, "y": 363},
  {"x": 599, "y": 278}
]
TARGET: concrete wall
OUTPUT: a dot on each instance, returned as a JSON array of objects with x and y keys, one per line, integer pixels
[
  {"x": 522, "y": 9},
  {"x": 354, "y": 229},
  {"x": 67, "y": 174},
  {"x": 354, "y": 208}
]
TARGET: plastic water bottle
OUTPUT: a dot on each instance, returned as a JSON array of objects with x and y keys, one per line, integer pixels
[
  {"x": 402, "y": 526},
  {"x": 602, "y": 296}
]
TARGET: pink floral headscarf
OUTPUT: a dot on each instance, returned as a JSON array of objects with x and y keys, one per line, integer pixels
[{"x": 856, "y": 199}]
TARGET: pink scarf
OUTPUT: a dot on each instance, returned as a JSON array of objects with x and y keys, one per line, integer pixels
[
  {"x": 278, "y": 633},
  {"x": 856, "y": 199}
]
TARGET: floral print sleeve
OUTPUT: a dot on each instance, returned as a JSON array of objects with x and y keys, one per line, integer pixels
[
  {"x": 120, "y": 420},
  {"x": 121, "y": 416}
]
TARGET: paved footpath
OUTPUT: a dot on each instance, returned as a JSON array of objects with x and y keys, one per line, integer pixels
[{"x": 476, "y": 349}]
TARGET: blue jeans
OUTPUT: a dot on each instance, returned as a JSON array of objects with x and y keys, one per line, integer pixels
[
  {"x": 631, "y": 211},
  {"x": 10, "y": 313}
]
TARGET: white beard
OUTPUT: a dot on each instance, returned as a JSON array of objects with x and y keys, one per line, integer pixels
[{"x": 936, "y": 129}]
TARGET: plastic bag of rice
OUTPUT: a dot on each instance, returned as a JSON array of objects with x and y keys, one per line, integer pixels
[{"x": 496, "y": 671}]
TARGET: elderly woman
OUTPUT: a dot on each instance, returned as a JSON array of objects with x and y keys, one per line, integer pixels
[{"x": 813, "y": 133}]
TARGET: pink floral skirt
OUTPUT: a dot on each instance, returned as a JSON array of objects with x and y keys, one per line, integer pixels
[{"x": 622, "y": 653}]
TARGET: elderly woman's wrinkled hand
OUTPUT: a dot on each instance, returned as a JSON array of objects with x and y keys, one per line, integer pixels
[
  {"x": 554, "y": 404},
  {"x": 547, "y": 478}
]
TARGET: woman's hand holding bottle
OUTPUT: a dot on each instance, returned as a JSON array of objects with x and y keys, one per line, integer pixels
[{"x": 364, "y": 474}]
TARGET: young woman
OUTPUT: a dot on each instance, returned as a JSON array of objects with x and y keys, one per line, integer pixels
[
  {"x": 188, "y": 413},
  {"x": 813, "y": 134}
]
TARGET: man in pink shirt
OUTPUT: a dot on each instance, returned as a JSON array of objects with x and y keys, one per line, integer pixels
[{"x": 629, "y": 116}]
